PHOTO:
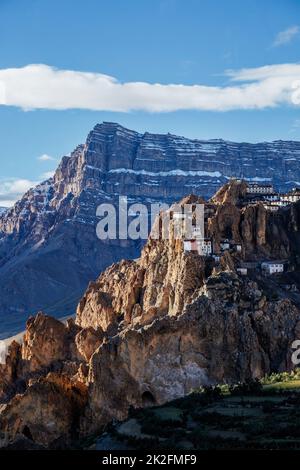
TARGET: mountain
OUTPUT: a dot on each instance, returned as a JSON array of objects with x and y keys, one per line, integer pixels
[
  {"x": 3, "y": 210},
  {"x": 151, "y": 330},
  {"x": 48, "y": 245}
]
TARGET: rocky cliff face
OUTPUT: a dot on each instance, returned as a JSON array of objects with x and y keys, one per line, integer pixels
[
  {"x": 262, "y": 233},
  {"x": 148, "y": 331},
  {"x": 48, "y": 245}
]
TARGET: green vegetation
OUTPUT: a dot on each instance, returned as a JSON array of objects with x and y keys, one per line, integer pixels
[
  {"x": 287, "y": 385},
  {"x": 169, "y": 414},
  {"x": 282, "y": 377},
  {"x": 252, "y": 415}
]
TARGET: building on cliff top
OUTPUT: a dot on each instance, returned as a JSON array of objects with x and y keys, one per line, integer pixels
[
  {"x": 292, "y": 196},
  {"x": 242, "y": 271},
  {"x": 202, "y": 246},
  {"x": 256, "y": 188},
  {"x": 271, "y": 199},
  {"x": 272, "y": 267}
]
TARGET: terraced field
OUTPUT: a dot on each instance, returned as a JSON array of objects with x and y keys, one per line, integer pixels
[{"x": 266, "y": 418}]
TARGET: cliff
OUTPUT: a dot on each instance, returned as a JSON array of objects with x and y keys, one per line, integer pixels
[
  {"x": 48, "y": 245},
  {"x": 151, "y": 330}
]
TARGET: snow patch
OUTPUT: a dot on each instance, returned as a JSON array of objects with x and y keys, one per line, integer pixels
[
  {"x": 3, "y": 210},
  {"x": 212, "y": 174},
  {"x": 258, "y": 179}
]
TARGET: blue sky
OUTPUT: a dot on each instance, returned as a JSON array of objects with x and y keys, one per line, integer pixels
[{"x": 167, "y": 42}]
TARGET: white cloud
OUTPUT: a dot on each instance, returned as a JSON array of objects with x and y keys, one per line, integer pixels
[
  {"x": 44, "y": 87},
  {"x": 45, "y": 158},
  {"x": 295, "y": 127},
  {"x": 47, "y": 175},
  {"x": 7, "y": 202},
  {"x": 286, "y": 36},
  {"x": 13, "y": 189},
  {"x": 265, "y": 72}
]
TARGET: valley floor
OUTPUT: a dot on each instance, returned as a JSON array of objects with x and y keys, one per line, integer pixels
[{"x": 266, "y": 418}]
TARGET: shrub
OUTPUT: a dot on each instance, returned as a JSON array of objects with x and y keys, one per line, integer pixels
[{"x": 249, "y": 387}]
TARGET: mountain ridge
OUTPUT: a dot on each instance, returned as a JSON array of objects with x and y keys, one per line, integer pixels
[
  {"x": 152, "y": 330},
  {"x": 48, "y": 245}
]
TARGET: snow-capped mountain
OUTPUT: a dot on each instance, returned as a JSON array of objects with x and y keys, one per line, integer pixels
[{"x": 48, "y": 245}]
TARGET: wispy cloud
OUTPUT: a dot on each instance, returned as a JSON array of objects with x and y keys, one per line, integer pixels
[
  {"x": 295, "y": 128},
  {"x": 44, "y": 87},
  {"x": 45, "y": 158},
  {"x": 286, "y": 36},
  {"x": 47, "y": 175},
  {"x": 296, "y": 124},
  {"x": 13, "y": 189}
]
